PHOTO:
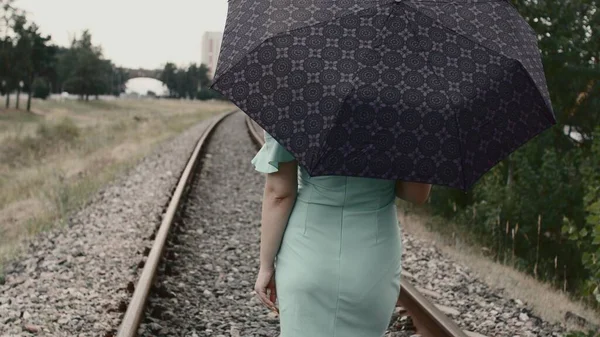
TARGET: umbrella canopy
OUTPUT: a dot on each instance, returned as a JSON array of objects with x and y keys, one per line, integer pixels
[{"x": 427, "y": 91}]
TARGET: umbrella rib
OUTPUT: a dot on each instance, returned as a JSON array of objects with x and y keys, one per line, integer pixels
[
  {"x": 375, "y": 44},
  {"x": 460, "y": 147},
  {"x": 476, "y": 42},
  {"x": 538, "y": 93},
  {"x": 314, "y": 166},
  {"x": 462, "y": 154},
  {"x": 288, "y": 32}
]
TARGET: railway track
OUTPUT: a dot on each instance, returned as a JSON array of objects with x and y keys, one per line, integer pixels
[
  {"x": 135, "y": 309},
  {"x": 426, "y": 318}
]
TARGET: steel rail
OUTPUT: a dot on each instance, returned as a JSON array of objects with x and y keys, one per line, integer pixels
[
  {"x": 427, "y": 318},
  {"x": 135, "y": 310}
]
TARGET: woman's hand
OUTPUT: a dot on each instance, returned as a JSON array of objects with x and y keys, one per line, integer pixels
[
  {"x": 417, "y": 193},
  {"x": 265, "y": 287}
]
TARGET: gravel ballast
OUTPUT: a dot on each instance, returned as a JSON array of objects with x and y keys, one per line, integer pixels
[
  {"x": 463, "y": 297},
  {"x": 72, "y": 281},
  {"x": 212, "y": 257}
]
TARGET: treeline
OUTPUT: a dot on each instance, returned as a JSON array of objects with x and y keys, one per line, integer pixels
[
  {"x": 30, "y": 63},
  {"x": 191, "y": 82},
  {"x": 539, "y": 210},
  {"x": 82, "y": 70}
]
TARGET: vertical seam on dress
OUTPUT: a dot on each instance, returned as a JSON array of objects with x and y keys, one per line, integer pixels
[
  {"x": 312, "y": 188},
  {"x": 377, "y": 219},
  {"x": 337, "y": 302}
]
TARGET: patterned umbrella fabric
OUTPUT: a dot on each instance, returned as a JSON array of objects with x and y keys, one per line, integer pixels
[{"x": 427, "y": 91}]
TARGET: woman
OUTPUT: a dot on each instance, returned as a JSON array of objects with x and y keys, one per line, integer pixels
[{"x": 330, "y": 248}]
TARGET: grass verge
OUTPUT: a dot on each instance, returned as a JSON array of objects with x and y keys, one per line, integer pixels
[
  {"x": 545, "y": 301},
  {"x": 52, "y": 161}
]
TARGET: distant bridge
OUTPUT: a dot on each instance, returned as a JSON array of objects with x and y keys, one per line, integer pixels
[{"x": 151, "y": 73}]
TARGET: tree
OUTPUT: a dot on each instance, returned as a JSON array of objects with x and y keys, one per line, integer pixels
[
  {"x": 64, "y": 59},
  {"x": 6, "y": 71},
  {"x": 27, "y": 57},
  {"x": 118, "y": 78},
  {"x": 192, "y": 81},
  {"x": 185, "y": 82},
  {"x": 26, "y": 53},
  {"x": 36, "y": 55},
  {"x": 85, "y": 68},
  {"x": 569, "y": 39},
  {"x": 203, "y": 76},
  {"x": 168, "y": 77},
  {"x": 545, "y": 192},
  {"x": 8, "y": 11},
  {"x": 587, "y": 237},
  {"x": 7, "y": 67},
  {"x": 181, "y": 80},
  {"x": 40, "y": 88},
  {"x": 22, "y": 52}
]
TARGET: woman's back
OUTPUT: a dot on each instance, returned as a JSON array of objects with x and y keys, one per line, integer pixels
[
  {"x": 355, "y": 192},
  {"x": 338, "y": 266}
]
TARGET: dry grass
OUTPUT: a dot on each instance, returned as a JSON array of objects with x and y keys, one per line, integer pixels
[
  {"x": 53, "y": 160},
  {"x": 545, "y": 301}
]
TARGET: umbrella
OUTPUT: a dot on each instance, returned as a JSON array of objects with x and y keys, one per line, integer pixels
[{"x": 425, "y": 91}]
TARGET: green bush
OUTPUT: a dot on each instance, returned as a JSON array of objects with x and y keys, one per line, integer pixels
[
  {"x": 206, "y": 94},
  {"x": 590, "y": 333},
  {"x": 587, "y": 235},
  {"x": 41, "y": 89},
  {"x": 539, "y": 211}
]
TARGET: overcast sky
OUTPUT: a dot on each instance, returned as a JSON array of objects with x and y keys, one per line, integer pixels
[{"x": 132, "y": 33}]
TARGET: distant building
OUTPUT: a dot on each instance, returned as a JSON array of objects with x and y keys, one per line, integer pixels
[{"x": 211, "y": 46}]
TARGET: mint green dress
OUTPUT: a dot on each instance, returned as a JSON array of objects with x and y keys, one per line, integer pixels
[{"x": 338, "y": 268}]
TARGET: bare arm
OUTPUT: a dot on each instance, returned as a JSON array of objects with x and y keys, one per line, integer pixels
[
  {"x": 278, "y": 200},
  {"x": 417, "y": 193}
]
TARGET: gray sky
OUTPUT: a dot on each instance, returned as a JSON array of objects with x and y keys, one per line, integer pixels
[{"x": 132, "y": 33}]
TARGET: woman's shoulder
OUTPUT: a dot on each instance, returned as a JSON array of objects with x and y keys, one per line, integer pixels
[{"x": 270, "y": 155}]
